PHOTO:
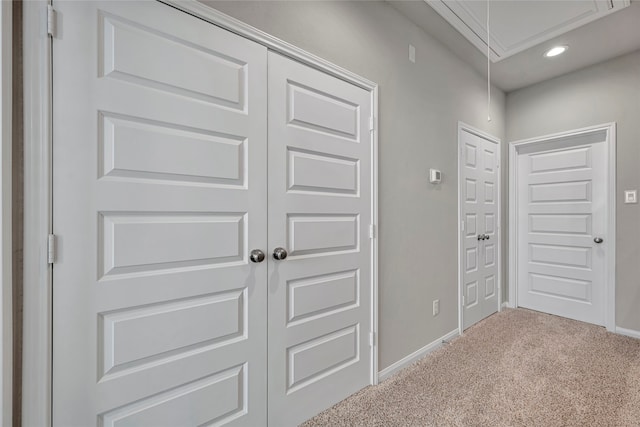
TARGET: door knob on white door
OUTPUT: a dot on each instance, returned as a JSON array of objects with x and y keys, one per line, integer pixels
[
  {"x": 598, "y": 240},
  {"x": 256, "y": 256},
  {"x": 279, "y": 254}
]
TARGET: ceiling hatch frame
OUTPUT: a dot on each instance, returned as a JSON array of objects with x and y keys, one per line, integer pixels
[{"x": 473, "y": 26}]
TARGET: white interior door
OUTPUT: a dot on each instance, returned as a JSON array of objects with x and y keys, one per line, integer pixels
[
  {"x": 159, "y": 190},
  {"x": 319, "y": 212},
  {"x": 562, "y": 205},
  {"x": 480, "y": 182}
]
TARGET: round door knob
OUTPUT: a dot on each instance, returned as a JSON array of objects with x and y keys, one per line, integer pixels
[
  {"x": 256, "y": 256},
  {"x": 598, "y": 240},
  {"x": 487, "y": 237},
  {"x": 279, "y": 254}
]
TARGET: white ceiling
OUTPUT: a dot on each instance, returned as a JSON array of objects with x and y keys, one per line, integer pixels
[{"x": 524, "y": 30}]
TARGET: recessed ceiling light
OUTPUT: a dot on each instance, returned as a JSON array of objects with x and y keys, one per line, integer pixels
[{"x": 555, "y": 51}]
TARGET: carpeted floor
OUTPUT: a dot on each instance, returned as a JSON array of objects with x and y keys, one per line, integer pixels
[{"x": 515, "y": 368}]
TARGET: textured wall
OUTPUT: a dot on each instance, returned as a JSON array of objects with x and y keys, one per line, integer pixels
[
  {"x": 420, "y": 106},
  {"x": 607, "y": 92}
]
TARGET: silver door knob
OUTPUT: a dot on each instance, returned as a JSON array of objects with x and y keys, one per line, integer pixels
[
  {"x": 279, "y": 254},
  {"x": 487, "y": 237},
  {"x": 598, "y": 240},
  {"x": 256, "y": 256},
  {"x": 480, "y": 236}
]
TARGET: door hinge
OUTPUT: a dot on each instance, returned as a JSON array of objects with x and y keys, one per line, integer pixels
[
  {"x": 51, "y": 249},
  {"x": 462, "y": 225},
  {"x": 372, "y": 124},
  {"x": 463, "y": 300},
  {"x": 373, "y": 339},
  {"x": 51, "y": 21},
  {"x": 372, "y": 231}
]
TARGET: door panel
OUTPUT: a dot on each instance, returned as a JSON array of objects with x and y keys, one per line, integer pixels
[
  {"x": 480, "y": 215},
  {"x": 159, "y": 194},
  {"x": 562, "y": 207},
  {"x": 319, "y": 211}
]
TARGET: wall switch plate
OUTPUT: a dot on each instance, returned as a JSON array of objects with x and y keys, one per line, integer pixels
[
  {"x": 412, "y": 53},
  {"x": 631, "y": 196},
  {"x": 435, "y": 176},
  {"x": 436, "y": 307}
]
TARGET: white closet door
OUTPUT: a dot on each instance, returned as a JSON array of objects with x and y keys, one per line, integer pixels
[
  {"x": 480, "y": 206},
  {"x": 159, "y": 190},
  {"x": 491, "y": 244},
  {"x": 562, "y": 209},
  {"x": 319, "y": 212}
]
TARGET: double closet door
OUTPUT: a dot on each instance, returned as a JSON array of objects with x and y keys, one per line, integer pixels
[
  {"x": 184, "y": 158},
  {"x": 480, "y": 209}
]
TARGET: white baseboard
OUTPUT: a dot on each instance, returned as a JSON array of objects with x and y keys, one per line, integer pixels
[
  {"x": 416, "y": 355},
  {"x": 628, "y": 332}
]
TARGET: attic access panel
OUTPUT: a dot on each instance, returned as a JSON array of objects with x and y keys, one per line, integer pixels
[{"x": 517, "y": 25}]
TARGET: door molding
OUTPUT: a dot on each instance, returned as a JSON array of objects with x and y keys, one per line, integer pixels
[
  {"x": 38, "y": 221},
  {"x": 467, "y": 128},
  {"x": 6, "y": 207},
  {"x": 610, "y": 263}
]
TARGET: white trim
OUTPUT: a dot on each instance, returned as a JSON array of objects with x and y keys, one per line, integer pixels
[
  {"x": 514, "y": 147},
  {"x": 513, "y": 227},
  {"x": 416, "y": 355},
  {"x": 207, "y": 13},
  {"x": 628, "y": 332},
  {"x": 37, "y": 223},
  {"x": 374, "y": 242},
  {"x": 36, "y": 378},
  {"x": 465, "y": 127},
  {"x": 6, "y": 234}
]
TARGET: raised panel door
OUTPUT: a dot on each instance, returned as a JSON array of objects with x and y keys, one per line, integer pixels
[
  {"x": 562, "y": 209},
  {"x": 319, "y": 211},
  {"x": 480, "y": 237},
  {"x": 159, "y": 189}
]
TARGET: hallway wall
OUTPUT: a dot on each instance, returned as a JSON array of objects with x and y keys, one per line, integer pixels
[
  {"x": 420, "y": 106},
  {"x": 603, "y": 93}
]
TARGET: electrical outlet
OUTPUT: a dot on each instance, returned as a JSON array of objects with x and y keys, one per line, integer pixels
[
  {"x": 436, "y": 307},
  {"x": 412, "y": 53}
]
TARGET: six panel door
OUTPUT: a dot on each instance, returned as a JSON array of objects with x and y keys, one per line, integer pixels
[
  {"x": 480, "y": 180},
  {"x": 159, "y": 195},
  {"x": 561, "y": 210},
  {"x": 319, "y": 211}
]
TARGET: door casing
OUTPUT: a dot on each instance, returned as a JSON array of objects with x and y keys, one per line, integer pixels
[
  {"x": 463, "y": 127},
  {"x": 38, "y": 221},
  {"x": 610, "y": 222}
]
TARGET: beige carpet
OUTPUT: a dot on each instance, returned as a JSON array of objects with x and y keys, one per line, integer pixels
[{"x": 516, "y": 368}]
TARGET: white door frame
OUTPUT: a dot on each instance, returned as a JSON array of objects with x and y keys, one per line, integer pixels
[
  {"x": 6, "y": 207},
  {"x": 610, "y": 263},
  {"x": 465, "y": 127},
  {"x": 36, "y": 395}
]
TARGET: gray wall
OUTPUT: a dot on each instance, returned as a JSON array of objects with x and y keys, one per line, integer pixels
[
  {"x": 420, "y": 105},
  {"x": 607, "y": 92}
]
